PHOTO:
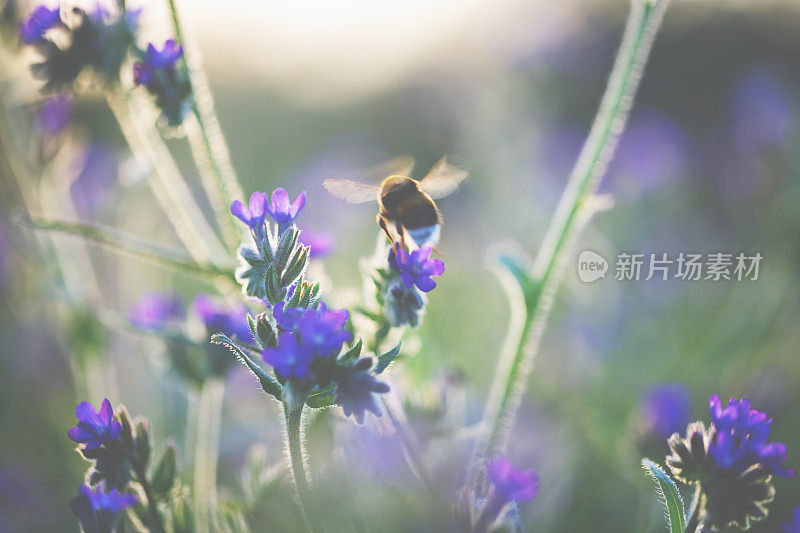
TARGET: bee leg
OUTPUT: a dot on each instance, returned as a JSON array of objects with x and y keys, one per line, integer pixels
[
  {"x": 437, "y": 251},
  {"x": 382, "y": 223},
  {"x": 402, "y": 233}
]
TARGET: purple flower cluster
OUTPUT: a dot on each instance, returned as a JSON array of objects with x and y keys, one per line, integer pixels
[
  {"x": 32, "y": 29},
  {"x": 280, "y": 208},
  {"x": 158, "y": 73},
  {"x": 740, "y": 438},
  {"x": 154, "y": 310},
  {"x": 155, "y": 62},
  {"x": 312, "y": 335},
  {"x": 417, "y": 267},
  {"x": 217, "y": 318},
  {"x": 95, "y": 428}
]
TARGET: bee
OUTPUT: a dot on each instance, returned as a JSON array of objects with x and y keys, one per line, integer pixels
[{"x": 404, "y": 202}]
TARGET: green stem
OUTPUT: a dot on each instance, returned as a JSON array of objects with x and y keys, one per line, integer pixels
[
  {"x": 573, "y": 211},
  {"x": 157, "y": 525},
  {"x": 166, "y": 181},
  {"x": 208, "y": 144},
  {"x": 206, "y": 451},
  {"x": 294, "y": 439},
  {"x": 698, "y": 504},
  {"x": 131, "y": 244}
]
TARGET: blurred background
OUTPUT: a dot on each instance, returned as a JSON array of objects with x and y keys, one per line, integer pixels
[{"x": 308, "y": 90}]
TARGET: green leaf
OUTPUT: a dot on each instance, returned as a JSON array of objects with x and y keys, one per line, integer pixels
[
  {"x": 269, "y": 385},
  {"x": 385, "y": 359},
  {"x": 142, "y": 444},
  {"x": 321, "y": 397},
  {"x": 669, "y": 495},
  {"x": 134, "y": 245},
  {"x": 352, "y": 354},
  {"x": 166, "y": 470}
]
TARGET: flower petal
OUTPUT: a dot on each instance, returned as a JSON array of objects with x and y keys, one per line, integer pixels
[
  {"x": 240, "y": 211},
  {"x": 298, "y": 205}
]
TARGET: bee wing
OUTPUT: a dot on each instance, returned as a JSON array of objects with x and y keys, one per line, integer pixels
[
  {"x": 401, "y": 166},
  {"x": 443, "y": 179},
  {"x": 351, "y": 191}
]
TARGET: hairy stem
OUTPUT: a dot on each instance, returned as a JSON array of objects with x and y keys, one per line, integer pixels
[
  {"x": 206, "y": 451},
  {"x": 698, "y": 504},
  {"x": 166, "y": 181},
  {"x": 156, "y": 525},
  {"x": 208, "y": 144},
  {"x": 294, "y": 439},
  {"x": 573, "y": 210},
  {"x": 131, "y": 244}
]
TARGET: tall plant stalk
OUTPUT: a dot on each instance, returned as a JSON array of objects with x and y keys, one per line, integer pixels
[
  {"x": 294, "y": 441},
  {"x": 533, "y": 291},
  {"x": 165, "y": 179},
  {"x": 205, "y": 136},
  {"x": 208, "y": 424}
]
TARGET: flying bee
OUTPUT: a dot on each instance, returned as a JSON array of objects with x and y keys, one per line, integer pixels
[{"x": 406, "y": 203}]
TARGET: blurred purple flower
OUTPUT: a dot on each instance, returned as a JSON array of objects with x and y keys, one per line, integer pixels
[
  {"x": 153, "y": 310},
  {"x": 282, "y": 210},
  {"x": 509, "y": 482},
  {"x": 112, "y": 501},
  {"x": 321, "y": 244},
  {"x": 417, "y": 267},
  {"x": 665, "y": 409},
  {"x": 652, "y": 151},
  {"x": 232, "y": 321},
  {"x": 95, "y": 170},
  {"x": 32, "y": 29},
  {"x": 794, "y": 525},
  {"x": 54, "y": 115},
  {"x": 762, "y": 110},
  {"x": 356, "y": 389},
  {"x": 740, "y": 438},
  {"x": 254, "y": 213},
  {"x": 95, "y": 428},
  {"x": 144, "y": 72}
]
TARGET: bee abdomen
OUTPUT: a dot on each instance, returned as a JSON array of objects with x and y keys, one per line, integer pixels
[{"x": 425, "y": 235}]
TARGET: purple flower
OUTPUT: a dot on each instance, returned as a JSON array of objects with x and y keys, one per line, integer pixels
[
  {"x": 286, "y": 317},
  {"x": 290, "y": 359},
  {"x": 112, "y": 501},
  {"x": 254, "y": 214},
  {"x": 316, "y": 334},
  {"x": 145, "y": 72},
  {"x": 740, "y": 438},
  {"x": 95, "y": 428},
  {"x": 153, "y": 310},
  {"x": 794, "y": 525},
  {"x": 321, "y": 244},
  {"x": 54, "y": 115},
  {"x": 284, "y": 212},
  {"x": 652, "y": 151},
  {"x": 95, "y": 169},
  {"x": 32, "y": 30},
  {"x": 665, "y": 409},
  {"x": 762, "y": 110},
  {"x": 511, "y": 483},
  {"x": 222, "y": 319},
  {"x": 356, "y": 390},
  {"x": 417, "y": 267},
  {"x": 322, "y": 330}
]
